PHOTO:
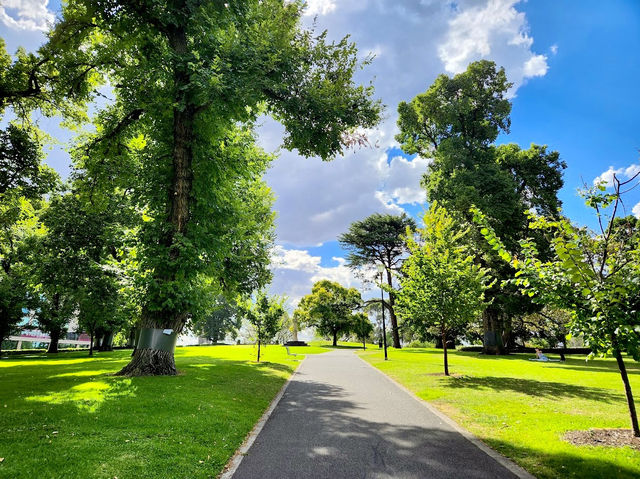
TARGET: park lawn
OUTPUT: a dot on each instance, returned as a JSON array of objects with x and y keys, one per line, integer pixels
[
  {"x": 67, "y": 416},
  {"x": 523, "y": 408}
]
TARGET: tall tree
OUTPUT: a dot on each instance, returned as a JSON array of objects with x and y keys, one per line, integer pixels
[
  {"x": 595, "y": 275},
  {"x": 441, "y": 285},
  {"x": 379, "y": 240},
  {"x": 265, "y": 315},
  {"x": 331, "y": 309},
  {"x": 456, "y": 121},
  {"x": 190, "y": 77}
]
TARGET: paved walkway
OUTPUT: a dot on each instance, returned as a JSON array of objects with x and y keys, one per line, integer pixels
[{"x": 339, "y": 418}]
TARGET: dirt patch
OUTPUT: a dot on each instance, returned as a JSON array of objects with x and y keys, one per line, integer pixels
[{"x": 603, "y": 437}]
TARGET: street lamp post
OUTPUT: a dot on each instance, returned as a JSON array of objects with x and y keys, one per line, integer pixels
[
  {"x": 384, "y": 328},
  {"x": 364, "y": 344}
]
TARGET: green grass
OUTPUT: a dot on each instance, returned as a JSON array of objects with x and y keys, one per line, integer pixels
[
  {"x": 523, "y": 408},
  {"x": 66, "y": 416}
]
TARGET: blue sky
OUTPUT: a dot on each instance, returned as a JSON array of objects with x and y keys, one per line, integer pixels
[{"x": 576, "y": 70}]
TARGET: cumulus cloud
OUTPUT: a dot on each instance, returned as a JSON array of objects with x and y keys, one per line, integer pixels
[
  {"x": 606, "y": 177},
  {"x": 295, "y": 271},
  {"x": 494, "y": 30},
  {"x": 319, "y": 7},
  {"x": 26, "y": 14},
  {"x": 636, "y": 211}
]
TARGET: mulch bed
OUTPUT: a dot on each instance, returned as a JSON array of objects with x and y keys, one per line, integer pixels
[{"x": 603, "y": 437}]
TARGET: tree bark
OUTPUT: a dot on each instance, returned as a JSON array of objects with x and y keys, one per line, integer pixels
[
  {"x": 629, "y": 394},
  {"x": 444, "y": 349},
  {"x": 392, "y": 313},
  {"x": 492, "y": 343},
  {"x": 91, "y": 345},
  {"x": 335, "y": 338},
  {"x": 258, "y": 350},
  {"x": 53, "y": 344},
  {"x": 150, "y": 361}
]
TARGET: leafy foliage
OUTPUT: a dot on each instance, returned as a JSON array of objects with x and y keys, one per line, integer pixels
[
  {"x": 224, "y": 318},
  {"x": 441, "y": 285},
  {"x": 594, "y": 275},
  {"x": 331, "y": 309},
  {"x": 190, "y": 78},
  {"x": 456, "y": 121}
]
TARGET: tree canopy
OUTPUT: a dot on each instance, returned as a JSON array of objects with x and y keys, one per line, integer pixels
[
  {"x": 441, "y": 285},
  {"x": 332, "y": 309},
  {"x": 456, "y": 121},
  {"x": 595, "y": 275},
  {"x": 190, "y": 78}
]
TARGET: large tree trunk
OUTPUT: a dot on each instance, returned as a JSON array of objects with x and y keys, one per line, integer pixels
[
  {"x": 392, "y": 313},
  {"x": 152, "y": 361},
  {"x": 335, "y": 338},
  {"x": 53, "y": 344},
  {"x": 91, "y": 345},
  {"x": 492, "y": 343},
  {"x": 629, "y": 394}
]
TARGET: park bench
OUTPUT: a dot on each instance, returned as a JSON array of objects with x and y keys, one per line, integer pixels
[{"x": 289, "y": 353}]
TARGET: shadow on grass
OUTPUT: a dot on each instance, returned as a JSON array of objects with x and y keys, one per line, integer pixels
[
  {"x": 532, "y": 387},
  {"x": 568, "y": 464}
]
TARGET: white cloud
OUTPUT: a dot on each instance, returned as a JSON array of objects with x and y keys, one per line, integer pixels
[
  {"x": 636, "y": 210},
  {"x": 319, "y": 7},
  {"x": 536, "y": 66},
  {"x": 554, "y": 49},
  {"x": 295, "y": 271},
  {"x": 26, "y": 14},
  {"x": 622, "y": 174},
  {"x": 495, "y": 30}
]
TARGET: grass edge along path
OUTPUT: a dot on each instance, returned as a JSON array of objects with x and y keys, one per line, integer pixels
[
  {"x": 68, "y": 416},
  {"x": 522, "y": 408}
]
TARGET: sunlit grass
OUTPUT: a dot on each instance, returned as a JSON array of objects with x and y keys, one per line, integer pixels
[
  {"x": 523, "y": 408},
  {"x": 67, "y": 416}
]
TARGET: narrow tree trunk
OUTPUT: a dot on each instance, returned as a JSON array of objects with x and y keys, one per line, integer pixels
[
  {"x": 444, "y": 349},
  {"x": 392, "y": 313},
  {"x": 627, "y": 390},
  {"x": 335, "y": 338},
  {"x": 294, "y": 332},
  {"x": 258, "y": 350},
  {"x": 91, "y": 345},
  {"x": 53, "y": 344}
]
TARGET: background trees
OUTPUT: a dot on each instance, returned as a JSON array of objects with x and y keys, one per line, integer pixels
[
  {"x": 375, "y": 240},
  {"x": 456, "y": 121},
  {"x": 331, "y": 309},
  {"x": 225, "y": 317},
  {"x": 441, "y": 286},
  {"x": 190, "y": 77}
]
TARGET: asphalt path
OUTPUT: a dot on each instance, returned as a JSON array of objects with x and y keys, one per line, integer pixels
[{"x": 340, "y": 418}]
